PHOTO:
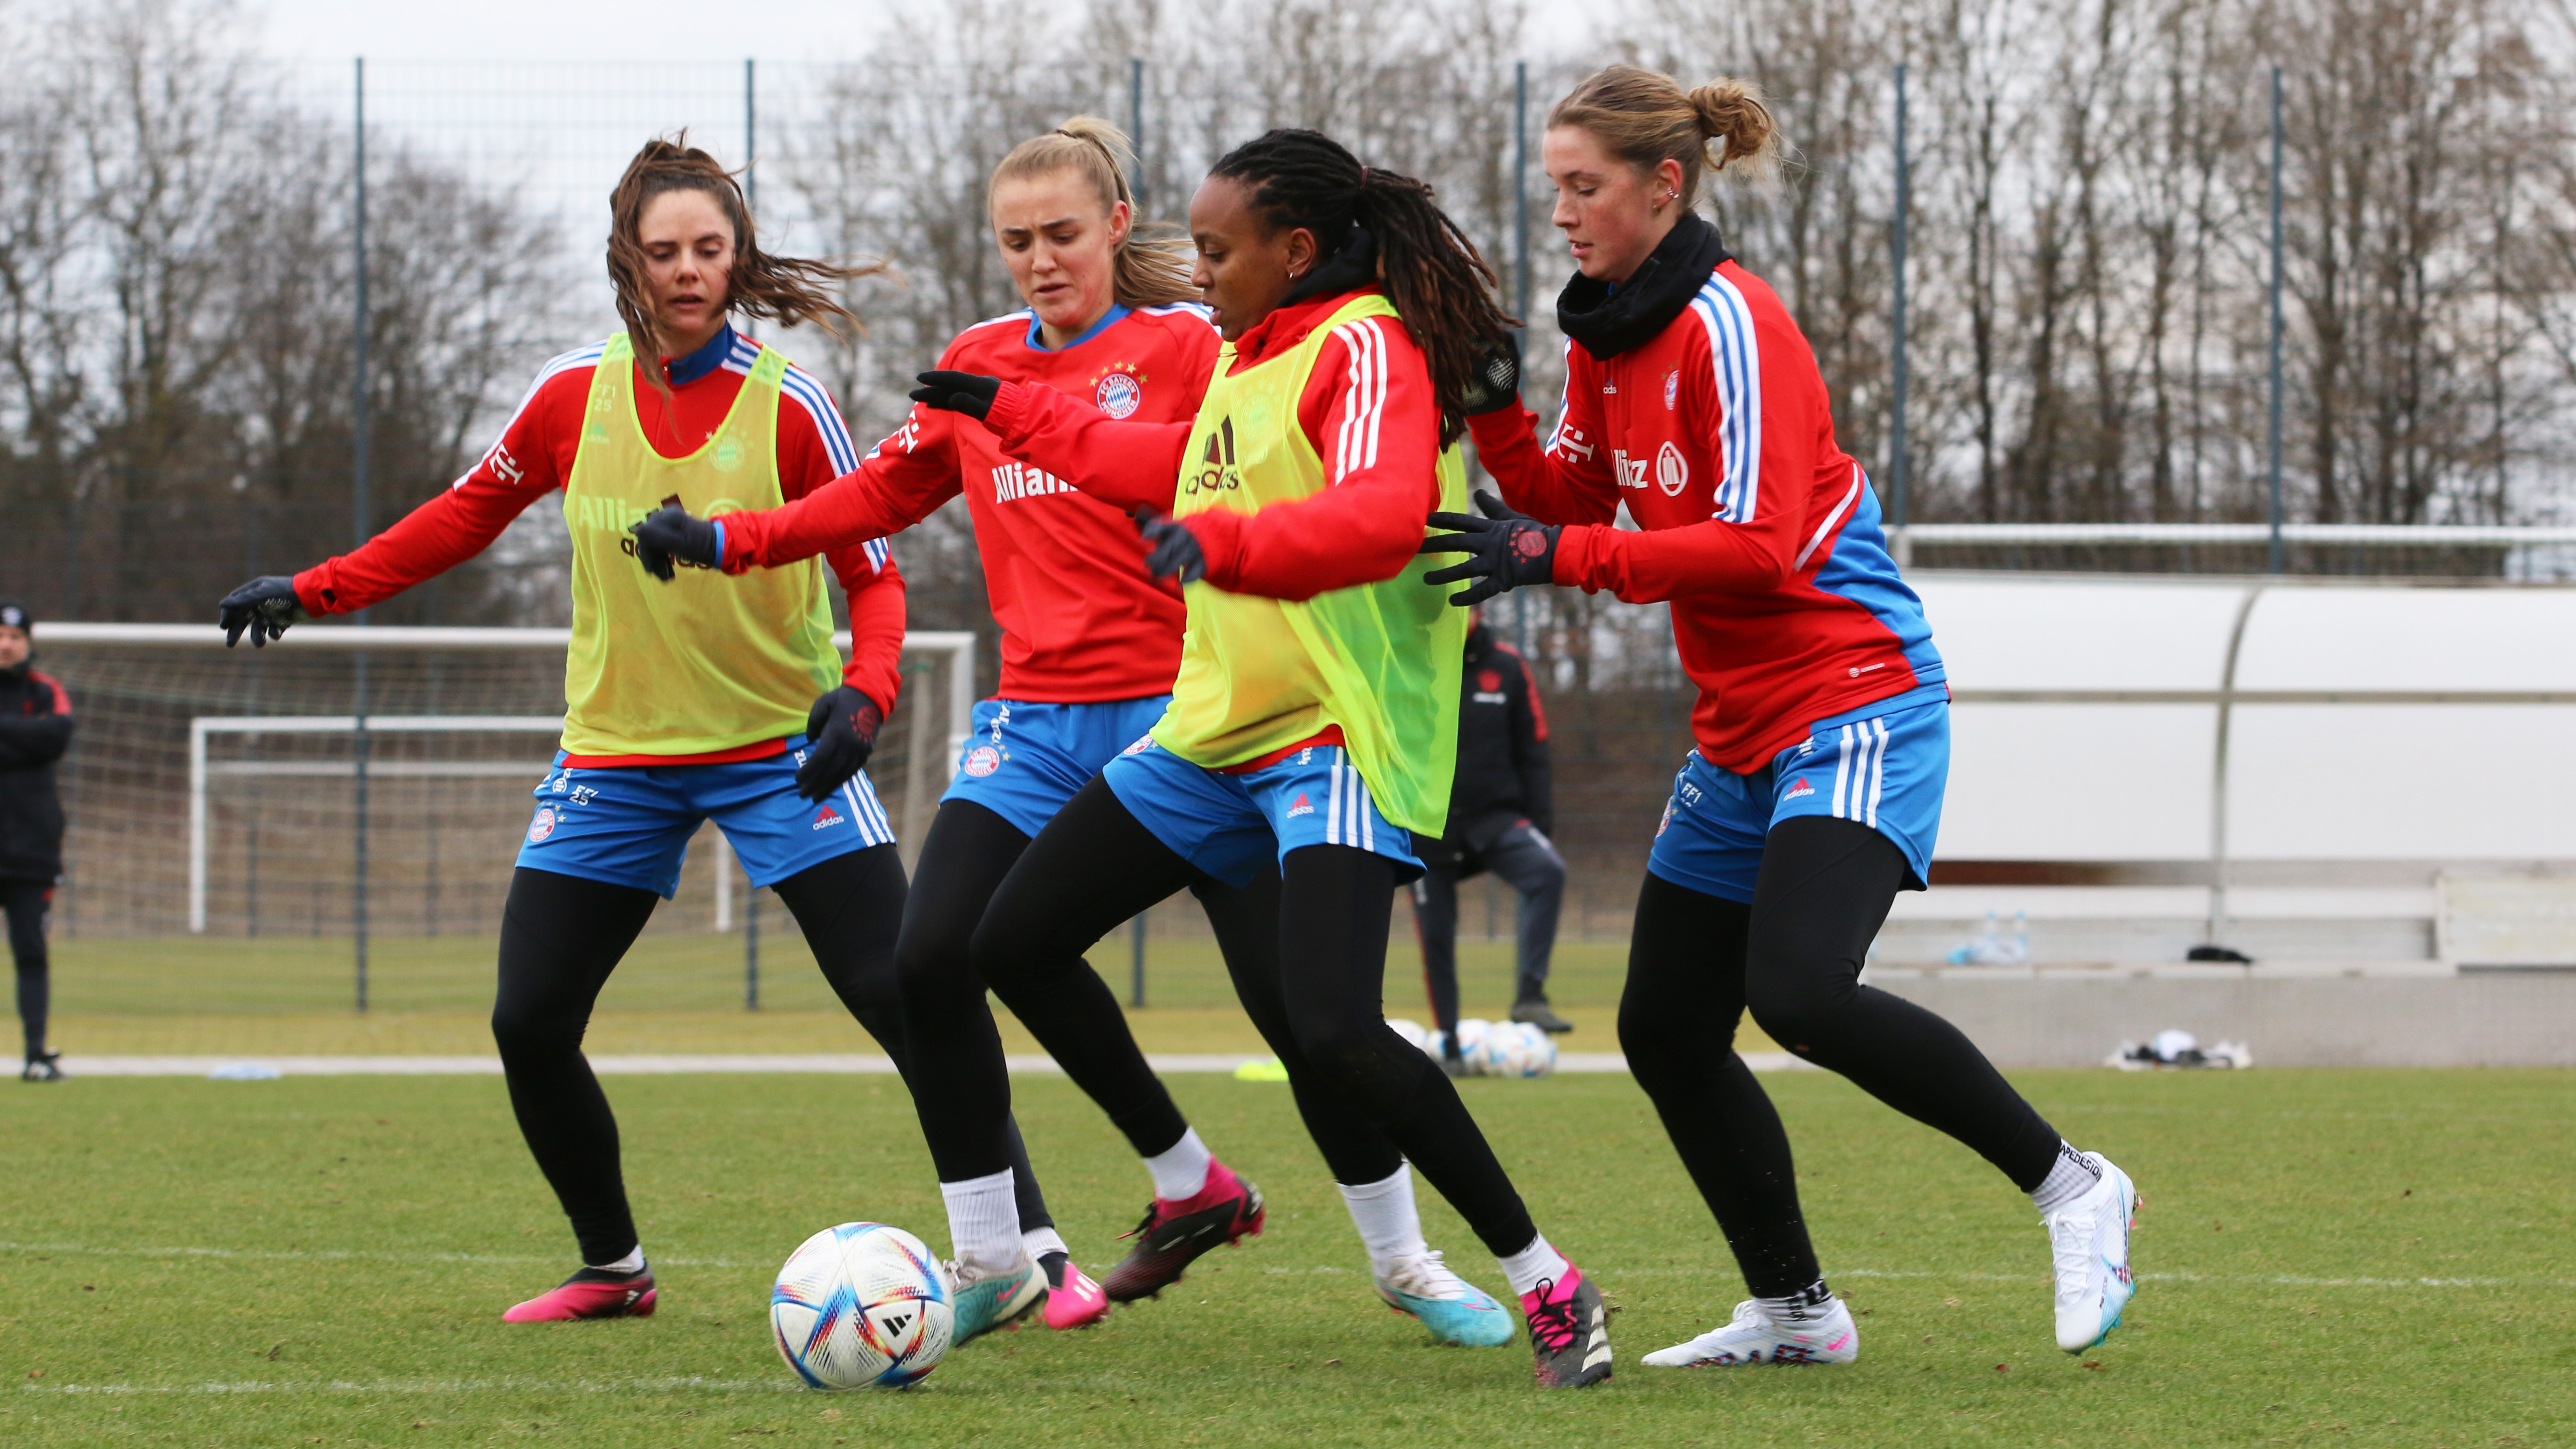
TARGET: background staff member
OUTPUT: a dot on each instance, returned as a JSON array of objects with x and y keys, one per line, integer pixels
[
  {"x": 1501, "y": 811},
  {"x": 35, "y": 729}
]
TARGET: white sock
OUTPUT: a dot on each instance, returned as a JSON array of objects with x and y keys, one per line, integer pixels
[
  {"x": 1383, "y": 1212},
  {"x": 1526, "y": 1267},
  {"x": 1042, "y": 1241},
  {"x": 984, "y": 1222},
  {"x": 1811, "y": 1304},
  {"x": 2074, "y": 1175},
  {"x": 633, "y": 1262},
  {"x": 1181, "y": 1169}
]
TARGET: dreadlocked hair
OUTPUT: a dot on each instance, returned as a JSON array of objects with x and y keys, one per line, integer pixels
[
  {"x": 789, "y": 290},
  {"x": 1440, "y": 284}
]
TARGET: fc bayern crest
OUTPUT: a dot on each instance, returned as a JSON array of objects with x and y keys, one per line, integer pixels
[
  {"x": 542, "y": 826},
  {"x": 1119, "y": 394},
  {"x": 983, "y": 760}
]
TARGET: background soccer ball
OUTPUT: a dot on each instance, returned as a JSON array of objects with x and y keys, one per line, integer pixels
[
  {"x": 1411, "y": 1031},
  {"x": 1516, "y": 1049},
  {"x": 861, "y": 1305}
]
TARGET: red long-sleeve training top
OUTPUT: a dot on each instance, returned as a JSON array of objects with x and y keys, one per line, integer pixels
[
  {"x": 534, "y": 455},
  {"x": 1369, "y": 410},
  {"x": 1081, "y": 620},
  {"x": 1718, "y": 435}
]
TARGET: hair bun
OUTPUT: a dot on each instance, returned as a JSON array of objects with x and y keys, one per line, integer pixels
[{"x": 1732, "y": 112}]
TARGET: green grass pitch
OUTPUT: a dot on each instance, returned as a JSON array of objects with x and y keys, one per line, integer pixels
[{"x": 2327, "y": 1258}]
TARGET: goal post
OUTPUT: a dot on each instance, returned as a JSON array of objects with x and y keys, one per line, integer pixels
[{"x": 240, "y": 757}]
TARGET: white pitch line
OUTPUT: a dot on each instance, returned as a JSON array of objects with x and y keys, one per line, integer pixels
[
  {"x": 434, "y": 1386},
  {"x": 743, "y": 1062},
  {"x": 325, "y": 1255}
]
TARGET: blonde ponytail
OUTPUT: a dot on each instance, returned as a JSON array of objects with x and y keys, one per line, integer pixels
[
  {"x": 1152, "y": 266},
  {"x": 1645, "y": 119}
]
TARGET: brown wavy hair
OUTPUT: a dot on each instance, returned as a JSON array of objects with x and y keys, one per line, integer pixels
[
  {"x": 1645, "y": 119},
  {"x": 789, "y": 290},
  {"x": 1152, "y": 266}
]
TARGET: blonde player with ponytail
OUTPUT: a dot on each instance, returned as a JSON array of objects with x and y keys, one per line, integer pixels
[
  {"x": 1090, "y": 646},
  {"x": 1822, "y": 725}
]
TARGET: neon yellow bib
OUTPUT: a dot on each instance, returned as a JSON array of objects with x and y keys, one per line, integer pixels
[
  {"x": 1380, "y": 660},
  {"x": 705, "y": 662}
]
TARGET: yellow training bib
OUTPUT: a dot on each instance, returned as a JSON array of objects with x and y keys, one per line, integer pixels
[
  {"x": 705, "y": 662},
  {"x": 1380, "y": 660}
]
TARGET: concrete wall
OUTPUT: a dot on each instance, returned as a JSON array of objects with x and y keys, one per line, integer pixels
[{"x": 2481, "y": 1020}]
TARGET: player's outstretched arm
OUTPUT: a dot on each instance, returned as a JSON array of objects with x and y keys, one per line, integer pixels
[
  {"x": 1568, "y": 481},
  {"x": 1127, "y": 465}
]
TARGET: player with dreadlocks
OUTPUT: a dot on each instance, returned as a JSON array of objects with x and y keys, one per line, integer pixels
[
  {"x": 1823, "y": 722},
  {"x": 1090, "y": 642},
  {"x": 1315, "y": 715},
  {"x": 682, "y": 703}
]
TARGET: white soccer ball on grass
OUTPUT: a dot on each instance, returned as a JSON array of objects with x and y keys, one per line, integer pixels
[{"x": 862, "y": 1305}]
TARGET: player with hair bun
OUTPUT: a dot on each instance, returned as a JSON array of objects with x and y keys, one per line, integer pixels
[
  {"x": 683, "y": 702},
  {"x": 1090, "y": 644},
  {"x": 1822, "y": 723},
  {"x": 1314, "y": 717}
]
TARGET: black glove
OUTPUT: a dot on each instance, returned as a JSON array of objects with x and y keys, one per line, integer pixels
[
  {"x": 840, "y": 734},
  {"x": 1505, "y": 550},
  {"x": 265, "y": 606},
  {"x": 971, "y": 393},
  {"x": 1496, "y": 382},
  {"x": 1174, "y": 550},
  {"x": 670, "y": 532}
]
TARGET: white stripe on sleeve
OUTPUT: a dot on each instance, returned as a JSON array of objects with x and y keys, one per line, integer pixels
[
  {"x": 1736, "y": 362},
  {"x": 1364, "y": 398}
]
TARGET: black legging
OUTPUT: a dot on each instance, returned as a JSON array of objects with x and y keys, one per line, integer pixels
[
  {"x": 1093, "y": 866},
  {"x": 26, "y": 902},
  {"x": 964, "y": 860},
  {"x": 1793, "y": 957},
  {"x": 561, "y": 936}
]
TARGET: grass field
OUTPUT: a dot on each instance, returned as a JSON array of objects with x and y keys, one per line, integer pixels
[
  {"x": 2327, "y": 1258},
  {"x": 674, "y": 993}
]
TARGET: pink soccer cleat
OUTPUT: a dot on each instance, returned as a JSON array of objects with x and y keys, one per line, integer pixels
[
  {"x": 589, "y": 1293},
  {"x": 1225, "y": 1210},
  {"x": 1072, "y": 1300}
]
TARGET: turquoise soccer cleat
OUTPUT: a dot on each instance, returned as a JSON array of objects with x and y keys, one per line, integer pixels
[{"x": 1455, "y": 1310}]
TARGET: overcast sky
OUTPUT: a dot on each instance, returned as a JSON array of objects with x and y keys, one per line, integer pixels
[{"x": 667, "y": 30}]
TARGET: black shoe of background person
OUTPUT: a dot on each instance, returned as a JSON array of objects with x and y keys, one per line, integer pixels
[
  {"x": 43, "y": 1067},
  {"x": 1534, "y": 1011},
  {"x": 1454, "y": 1064}
]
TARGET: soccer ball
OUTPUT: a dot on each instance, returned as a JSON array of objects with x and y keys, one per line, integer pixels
[
  {"x": 862, "y": 1305},
  {"x": 1517, "y": 1049},
  {"x": 1471, "y": 1037}
]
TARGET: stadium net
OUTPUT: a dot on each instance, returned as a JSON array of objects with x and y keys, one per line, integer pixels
[{"x": 246, "y": 824}]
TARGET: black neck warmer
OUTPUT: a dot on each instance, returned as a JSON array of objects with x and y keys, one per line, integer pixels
[
  {"x": 1608, "y": 323},
  {"x": 1351, "y": 267}
]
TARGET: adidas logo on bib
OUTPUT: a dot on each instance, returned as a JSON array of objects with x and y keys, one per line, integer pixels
[
  {"x": 1301, "y": 805},
  {"x": 826, "y": 818}
]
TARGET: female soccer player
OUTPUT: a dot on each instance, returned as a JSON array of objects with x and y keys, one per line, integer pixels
[
  {"x": 1822, "y": 723},
  {"x": 683, "y": 703},
  {"x": 1090, "y": 643},
  {"x": 1315, "y": 715}
]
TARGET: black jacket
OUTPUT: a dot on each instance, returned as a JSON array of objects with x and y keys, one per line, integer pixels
[
  {"x": 35, "y": 729},
  {"x": 1503, "y": 774}
]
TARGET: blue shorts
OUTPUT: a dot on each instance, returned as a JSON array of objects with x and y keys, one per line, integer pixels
[
  {"x": 630, "y": 825},
  {"x": 1884, "y": 768},
  {"x": 1024, "y": 760},
  {"x": 1227, "y": 824}
]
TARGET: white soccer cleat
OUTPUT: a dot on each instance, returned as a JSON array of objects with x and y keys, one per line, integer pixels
[
  {"x": 2088, "y": 1243},
  {"x": 1752, "y": 1338}
]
